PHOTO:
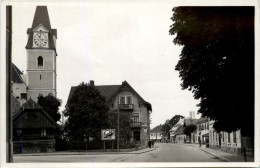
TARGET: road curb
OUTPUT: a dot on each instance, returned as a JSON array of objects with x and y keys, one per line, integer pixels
[
  {"x": 94, "y": 153},
  {"x": 222, "y": 158}
]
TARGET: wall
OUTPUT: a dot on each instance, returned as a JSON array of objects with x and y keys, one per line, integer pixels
[
  {"x": 35, "y": 146},
  {"x": 17, "y": 89},
  {"x": 232, "y": 146},
  {"x": 139, "y": 108},
  {"x": 41, "y": 79},
  {"x": 180, "y": 138}
]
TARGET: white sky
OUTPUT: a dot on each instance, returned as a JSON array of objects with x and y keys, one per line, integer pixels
[{"x": 111, "y": 42}]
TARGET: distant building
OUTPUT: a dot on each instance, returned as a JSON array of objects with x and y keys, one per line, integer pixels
[
  {"x": 156, "y": 133},
  {"x": 124, "y": 98},
  {"x": 202, "y": 131},
  {"x": 176, "y": 132}
]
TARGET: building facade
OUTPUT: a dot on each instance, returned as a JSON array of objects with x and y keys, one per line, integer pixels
[
  {"x": 124, "y": 98},
  {"x": 228, "y": 142},
  {"x": 41, "y": 56},
  {"x": 33, "y": 128},
  {"x": 156, "y": 134},
  {"x": 202, "y": 131}
]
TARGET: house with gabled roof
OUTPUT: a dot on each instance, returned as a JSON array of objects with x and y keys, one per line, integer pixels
[
  {"x": 125, "y": 99},
  {"x": 33, "y": 128},
  {"x": 156, "y": 133}
]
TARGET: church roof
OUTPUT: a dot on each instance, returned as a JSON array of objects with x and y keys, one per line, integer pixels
[
  {"x": 41, "y": 16},
  {"x": 16, "y": 74}
]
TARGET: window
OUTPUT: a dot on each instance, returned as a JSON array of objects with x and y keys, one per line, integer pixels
[
  {"x": 125, "y": 100},
  {"x": 136, "y": 117},
  {"x": 128, "y": 100},
  {"x": 40, "y": 61},
  {"x": 234, "y": 137},
  {"x": 40, "y": 77},
  {"x": 43, "y": 132},
  {"x": 23, "y": 95},
  {"x": 228, "y": 137},
  {"x": 122, "y": 100}
]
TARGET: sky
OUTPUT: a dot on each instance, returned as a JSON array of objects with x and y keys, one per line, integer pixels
[{"x": 110, "y": 42}]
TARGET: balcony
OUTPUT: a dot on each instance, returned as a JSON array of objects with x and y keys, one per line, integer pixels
[
  {"x": 136, "y": 124},
  {"x": 126, "y": 107}
]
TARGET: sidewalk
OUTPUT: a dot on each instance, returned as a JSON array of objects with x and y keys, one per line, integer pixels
[
  {"x": 225, "y": 156},
  {"x": 85, "y": 153}
]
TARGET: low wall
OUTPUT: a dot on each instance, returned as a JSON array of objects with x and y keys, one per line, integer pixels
[
  {"x": 35, "y": 146},
  {"x": 226, "y": 149}
]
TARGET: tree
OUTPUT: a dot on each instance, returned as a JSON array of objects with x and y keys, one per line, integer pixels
[
  {"x": 125, "y": 127},
  {"x": 217, "y": 62},
  {"x": 169, "y": 124},
  {"x": 189, "y": 129},
  {"x": 87, "y": 114},
  {"x": 51, "y": 105}
]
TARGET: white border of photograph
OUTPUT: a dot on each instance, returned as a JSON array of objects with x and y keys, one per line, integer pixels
[{"x": 144, "y": 164}]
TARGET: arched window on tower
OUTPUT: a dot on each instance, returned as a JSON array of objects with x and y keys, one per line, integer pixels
[{"x": 40, "y": 61}]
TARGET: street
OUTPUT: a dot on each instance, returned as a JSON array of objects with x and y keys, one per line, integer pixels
[{"x": 166, "y": 152}]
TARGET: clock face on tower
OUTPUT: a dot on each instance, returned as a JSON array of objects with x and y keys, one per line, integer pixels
[{"x": 40, "y": 40}]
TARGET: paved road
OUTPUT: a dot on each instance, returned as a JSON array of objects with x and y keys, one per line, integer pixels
[{"x": 164, "y": 153}]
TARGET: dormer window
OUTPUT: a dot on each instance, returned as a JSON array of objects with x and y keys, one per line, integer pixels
[{"x": 40, "y": 61}]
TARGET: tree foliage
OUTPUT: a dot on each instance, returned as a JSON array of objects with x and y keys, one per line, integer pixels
[
  {"x": 170, "y": 123},
  {"x": 51, "y": 105},
  {"x": 217, "y": 62},
  {"x": 87, "y": 114},
  {"x": 125, "y": 127},
  {"x": 189, "y": 129}
]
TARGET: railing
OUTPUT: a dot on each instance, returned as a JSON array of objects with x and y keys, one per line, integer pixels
[
  {"x": 136, "y": 124},
  {"x": 126, "y": 107}
]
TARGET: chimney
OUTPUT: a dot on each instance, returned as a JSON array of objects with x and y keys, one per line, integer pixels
[{"x": 92, "y": 83}]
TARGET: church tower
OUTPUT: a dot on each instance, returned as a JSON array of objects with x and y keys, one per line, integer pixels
[{"x": 41, "y": 56}]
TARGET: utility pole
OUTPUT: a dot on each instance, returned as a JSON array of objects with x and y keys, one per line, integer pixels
[
  {"x": 118, "y": 126},
  {"x": 9, "y": 154}
]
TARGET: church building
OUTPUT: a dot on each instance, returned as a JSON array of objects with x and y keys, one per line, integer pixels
[{"x": 33, "y": 128}]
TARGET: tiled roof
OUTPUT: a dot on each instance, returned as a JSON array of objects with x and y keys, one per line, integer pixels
[
  {"x": 109, "y": 91},
  {"x": 16, "y": 74},
  {"x": 157, "y": 129},
  {"x": 30, "y": 104},
  {"x": 41, "y": 16},
  {"x": 180, "y": 130}
]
